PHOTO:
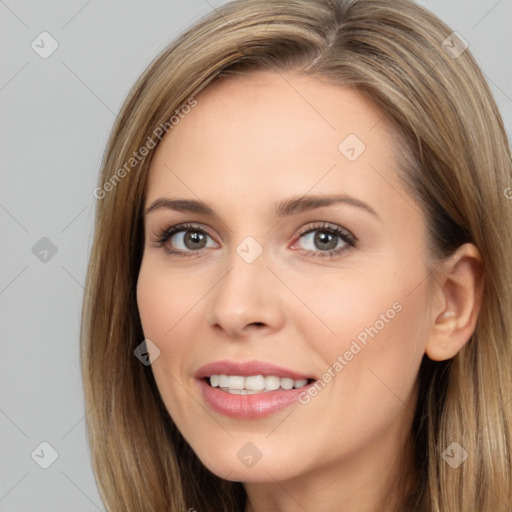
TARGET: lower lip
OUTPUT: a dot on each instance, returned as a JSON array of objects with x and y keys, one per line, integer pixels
[{"x": 253, "y": 406}]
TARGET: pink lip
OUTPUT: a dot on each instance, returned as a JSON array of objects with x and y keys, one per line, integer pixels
[{"x": 253, "y": 406}]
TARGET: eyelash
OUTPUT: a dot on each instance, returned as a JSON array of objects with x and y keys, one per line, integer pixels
[{"x": 350, "y": 240}]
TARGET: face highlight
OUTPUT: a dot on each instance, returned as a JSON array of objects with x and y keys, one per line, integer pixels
[{"x": 277, "y": 233}]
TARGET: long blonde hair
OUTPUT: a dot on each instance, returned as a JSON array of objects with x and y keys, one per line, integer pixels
[{"x": 456, "y": 163}]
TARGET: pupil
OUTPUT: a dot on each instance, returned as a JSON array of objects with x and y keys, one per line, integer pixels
[
  {"x": 194, "y": 237},
  {"x": 323, "y": 238}
]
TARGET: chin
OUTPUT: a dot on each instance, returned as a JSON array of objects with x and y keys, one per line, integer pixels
[{"x": 243, "y": 462}]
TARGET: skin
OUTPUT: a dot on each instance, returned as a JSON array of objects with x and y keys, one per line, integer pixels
[{"x": 250, "y": 142}]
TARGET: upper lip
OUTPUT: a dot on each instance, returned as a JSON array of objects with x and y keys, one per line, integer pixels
[{"x": 248, "y": 368}]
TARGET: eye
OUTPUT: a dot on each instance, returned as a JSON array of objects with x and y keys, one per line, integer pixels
[
  {"x": 325, "y": 240},
  {"x": 183, "y": 239}
]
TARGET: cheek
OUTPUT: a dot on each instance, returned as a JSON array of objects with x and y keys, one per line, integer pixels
[
  {"x": 370, "y": 332},
  {"x": 165, "y": 308},
  {"x": 163, "y": 299},
  {"x": 371, "y": 365},
  {"x": 169, "y": 306},
  {"x": 347, "y": 306},
  {"x": 152, "y": 302}
]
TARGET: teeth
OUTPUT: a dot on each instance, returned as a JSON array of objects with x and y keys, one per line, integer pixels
[
  {"x": 287, "y": 383},
  {"x": 241, "y": 391},
  {"x": 240, "y": 385},
  {"x": 236, "y": 382},
  {"x": 272, "y": 382},
  {"x": 254, "y": 382}
]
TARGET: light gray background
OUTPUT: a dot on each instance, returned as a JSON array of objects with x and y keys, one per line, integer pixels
[{"x": 56, "y": 116}]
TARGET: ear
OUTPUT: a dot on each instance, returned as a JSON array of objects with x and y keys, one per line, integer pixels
[{"x": 459, "y": 289}]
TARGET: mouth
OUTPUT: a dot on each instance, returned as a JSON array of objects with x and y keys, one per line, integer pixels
[
  {"x": 254, "y": 384},
  {"x": 251, "y": 389}
]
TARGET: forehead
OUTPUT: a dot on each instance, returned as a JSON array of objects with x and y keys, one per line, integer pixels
[
  {"x": 258, "y": 105},
  {"x": 269, "y": 134}
]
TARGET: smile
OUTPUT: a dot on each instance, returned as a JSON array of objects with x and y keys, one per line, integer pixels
[
  {"x": 253, "y": 384},
  {"x": 251, "y": 389}
]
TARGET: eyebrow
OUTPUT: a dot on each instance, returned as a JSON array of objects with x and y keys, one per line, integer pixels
[{"x": 291, "y": 206}]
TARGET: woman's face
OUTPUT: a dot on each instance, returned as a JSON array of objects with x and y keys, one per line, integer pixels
[{"x": 274, "y": 282}]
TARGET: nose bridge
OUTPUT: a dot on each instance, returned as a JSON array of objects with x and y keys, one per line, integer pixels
[{"x": 245, "y": 295}]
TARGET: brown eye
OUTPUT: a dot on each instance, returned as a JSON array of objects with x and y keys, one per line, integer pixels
[
  {"x": 192, "y": 240},
  {"x": 183, "y": 239},
  {"x": 326, "y": 240}
]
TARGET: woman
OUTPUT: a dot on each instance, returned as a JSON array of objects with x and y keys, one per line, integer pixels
[{"x": 299, "y": 290}]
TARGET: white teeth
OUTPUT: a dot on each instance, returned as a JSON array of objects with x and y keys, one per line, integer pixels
[
  {"x": 236, "y": 382},
  {"x": 287, "y": 383},
  {"x": 241, "y": 391},
  {"x": 272, "y": 382},
  {"x": 255, "y": 383},
  {"x": 240, "y": 385}
]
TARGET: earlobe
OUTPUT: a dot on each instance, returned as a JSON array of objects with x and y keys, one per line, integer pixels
[
  {"x": 442, "y": 345},
  {"x": 461, "y": 288}
]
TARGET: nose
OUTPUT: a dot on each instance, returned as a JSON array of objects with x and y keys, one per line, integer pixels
[{"x": 246, "y": 299}]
